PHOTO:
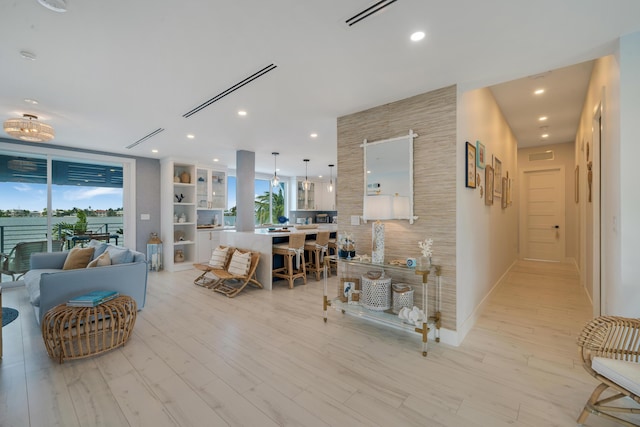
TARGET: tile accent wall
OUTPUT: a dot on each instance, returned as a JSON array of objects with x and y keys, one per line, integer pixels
[{"x": 432, "y": 116}]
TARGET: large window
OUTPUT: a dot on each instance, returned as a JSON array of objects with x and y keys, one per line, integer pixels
[
  {"x": 49, "y": 197},
  {"x": 269, "y": 202}
]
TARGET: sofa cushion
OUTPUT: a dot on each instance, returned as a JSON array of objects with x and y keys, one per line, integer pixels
[
  {"x": 32, "y": 283},
  {"x": 99, "y": 247},
  {"x": 219, "y": 257},
  {"x": 78, "y": 258},
  {"x": 100, "y": 261},
  {"x": 240, "y": 262},
  {"x": 119, "y": 255}
]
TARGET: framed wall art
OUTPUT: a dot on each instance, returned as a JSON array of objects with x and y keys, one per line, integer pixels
[
  {"x": 505, "y": 190},
  {"x": 470, "y": 169},
  {"x": 480, "y": 155},
  {"x": 488, "y": 182},
  {"x": 497, "y": 173},
  {"x": 346, "y": 287}
]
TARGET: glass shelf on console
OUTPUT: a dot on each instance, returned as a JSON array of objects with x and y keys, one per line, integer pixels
[{"x": 387, "y": 317}]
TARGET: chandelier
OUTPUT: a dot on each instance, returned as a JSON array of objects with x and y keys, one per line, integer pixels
[
  {"x": 275, "y": 181},
  {"x": 28, "y": 128}
]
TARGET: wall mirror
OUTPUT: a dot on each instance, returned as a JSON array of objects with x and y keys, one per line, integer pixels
[{"x": 388, "y": 178}]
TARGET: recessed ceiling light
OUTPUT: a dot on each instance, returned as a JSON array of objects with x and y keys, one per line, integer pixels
[
  {"x": 314, "y": 135},
  {"x": 542, "y": 118},
  {"x": 319, "y": 176},
  {"x": 242, "y": 113},
  {"x": 55, "y": 5},
  {"x": 154, "y": 151},
  {"x": 277, "y": 169},
  {"x": 417, "y": 36},
  {"x": 539, "y": 91},
  {"x": 190, "y": 136},
  {"x": 216, "y": 160},
  {"x": 28, "y": 55},
  {"x": 368, "y": 171},
  {"x": 545, "y": 135},
  {"x": 31, "y": 101}
]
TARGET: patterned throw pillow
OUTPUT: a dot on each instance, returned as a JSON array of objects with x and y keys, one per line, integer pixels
[
  {"x": 101, "y": 261},
  {"x": 239, "y": 265},
  {"x": 219, "y": 257},
  {"x": 119, "y": 255}
]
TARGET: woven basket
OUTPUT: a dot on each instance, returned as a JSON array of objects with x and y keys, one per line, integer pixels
[{"x": 376, "y": 294}]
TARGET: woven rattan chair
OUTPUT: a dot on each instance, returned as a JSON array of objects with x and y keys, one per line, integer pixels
[
  {"x": 293, "y": 253},
  {"x": 610, "y": 352},
  {"x": 17, "y": 262},
  {"x": 225, "y": 286}
]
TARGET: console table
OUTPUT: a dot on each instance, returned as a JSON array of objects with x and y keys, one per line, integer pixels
[{"x": 387, "y": 317}]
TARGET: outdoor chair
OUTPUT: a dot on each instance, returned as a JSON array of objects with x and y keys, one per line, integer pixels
[
  {"x": 610, "y": 352},
  {"x": 17, "y": 262}
]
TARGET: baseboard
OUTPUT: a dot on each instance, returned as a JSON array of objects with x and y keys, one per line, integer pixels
[{"x": 470, "y": 321}]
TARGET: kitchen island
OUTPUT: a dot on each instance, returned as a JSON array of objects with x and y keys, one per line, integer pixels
[{"x": 262, "y": 240}]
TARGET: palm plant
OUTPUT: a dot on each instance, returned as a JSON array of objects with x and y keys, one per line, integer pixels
[{"x": 262, "y": 206}]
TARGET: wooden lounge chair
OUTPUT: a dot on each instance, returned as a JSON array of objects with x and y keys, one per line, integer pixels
[
  {"x": 222, "y": 276},
  {"x": 17, "y": 262},
  {"x": 610, "y": 352}
]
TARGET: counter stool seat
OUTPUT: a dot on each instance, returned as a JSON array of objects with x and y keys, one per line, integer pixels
[
  {"x": 317, "y": 249},
  {"x": 294, "y": 264}
]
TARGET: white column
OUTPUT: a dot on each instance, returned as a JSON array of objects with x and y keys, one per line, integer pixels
[{"x": 245, "y": 190}]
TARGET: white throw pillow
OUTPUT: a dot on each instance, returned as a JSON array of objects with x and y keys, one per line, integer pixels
[
  {"x": 219, "y": 257},
  {"x": 239, "y": 265}
]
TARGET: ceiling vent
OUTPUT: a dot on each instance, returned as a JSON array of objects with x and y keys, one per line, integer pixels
[
  {"x": 230, "y": 90},
  {"x": 144, "y": 138},
  {"x": 373, "y": 9},
  {"x": 544, "y": 155}
]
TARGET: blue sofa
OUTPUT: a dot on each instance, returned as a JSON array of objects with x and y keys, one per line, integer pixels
[{"x": 49, "y": 285}]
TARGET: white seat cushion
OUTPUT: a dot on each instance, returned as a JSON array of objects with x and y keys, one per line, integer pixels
[{"x": 625, "y": 374}]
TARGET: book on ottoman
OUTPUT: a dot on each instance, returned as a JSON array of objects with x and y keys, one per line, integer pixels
[{"x": 92, "y": 299}]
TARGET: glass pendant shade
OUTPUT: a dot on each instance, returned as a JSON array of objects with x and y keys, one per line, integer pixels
[
  {"x": 330, "y": 187},
  {"x": 306, "y": 184},
  {"x": 275, "y": 181}
]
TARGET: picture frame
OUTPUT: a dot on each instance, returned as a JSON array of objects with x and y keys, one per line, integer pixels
[
  {"x": 480, "y": 155},
  {"x": 346, "y": 285},
  {"x": 577, "y": 183},
  {"x": 470, "y": 168},
  {"x": 497, "y": 173},
  {"x": 488, "y": 179},
  {"x": 505, "y": 192}
]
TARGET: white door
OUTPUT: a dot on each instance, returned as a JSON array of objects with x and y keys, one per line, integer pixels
[{"x": 542, "y": 215}]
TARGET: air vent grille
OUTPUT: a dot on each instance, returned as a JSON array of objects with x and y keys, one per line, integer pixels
[
  {"x": 230, "y": 90},
  {"x": 545, "y": 155},
  {"x": 144, "y": 138},
  {"x": 375, "y": 8}
]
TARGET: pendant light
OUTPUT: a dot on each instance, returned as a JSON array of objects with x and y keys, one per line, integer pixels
[
  {"x": 330, "y": 187},
  {"x": 275, "y": 181},
  {"x": 306, "y": 184},
  {"x": 28, "y": 128}
]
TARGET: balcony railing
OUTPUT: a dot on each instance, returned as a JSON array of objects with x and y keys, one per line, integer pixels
[{"x": 10, "y": 235}]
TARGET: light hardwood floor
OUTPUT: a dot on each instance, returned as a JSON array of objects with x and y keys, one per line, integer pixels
[{"x": 197, "y": 358}]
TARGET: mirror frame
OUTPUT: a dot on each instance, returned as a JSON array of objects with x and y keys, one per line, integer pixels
[{"x": 365, "y": 203}]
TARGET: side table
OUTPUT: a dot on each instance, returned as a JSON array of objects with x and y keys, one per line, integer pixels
[{"x": 78, "y": 332}]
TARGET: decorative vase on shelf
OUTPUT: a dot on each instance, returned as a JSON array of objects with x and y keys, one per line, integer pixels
[
  {"x": 185, "y": 178},
  {"x": 179, "y": 256},
  {"x": 176, "y": 178},
  {"x": 424, "y": 263}
]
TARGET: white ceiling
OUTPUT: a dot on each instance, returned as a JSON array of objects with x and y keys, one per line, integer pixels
[{"x": 109, "y": 73}]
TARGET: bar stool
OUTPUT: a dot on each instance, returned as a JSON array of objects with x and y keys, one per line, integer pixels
[
  {"x": 317, "y": 250},
  {"x": 291, "y": 250}
]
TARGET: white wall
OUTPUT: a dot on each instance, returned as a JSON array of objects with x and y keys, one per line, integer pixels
[
  {"x": 624, "y": 298},
  {"x": 604, "y": 89},
  {"x": 564, "y": 155},
  {"x": 486, "y": 235}
]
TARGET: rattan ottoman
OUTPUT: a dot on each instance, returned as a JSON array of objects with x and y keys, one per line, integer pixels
[{"x": 78, "y": 332}]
